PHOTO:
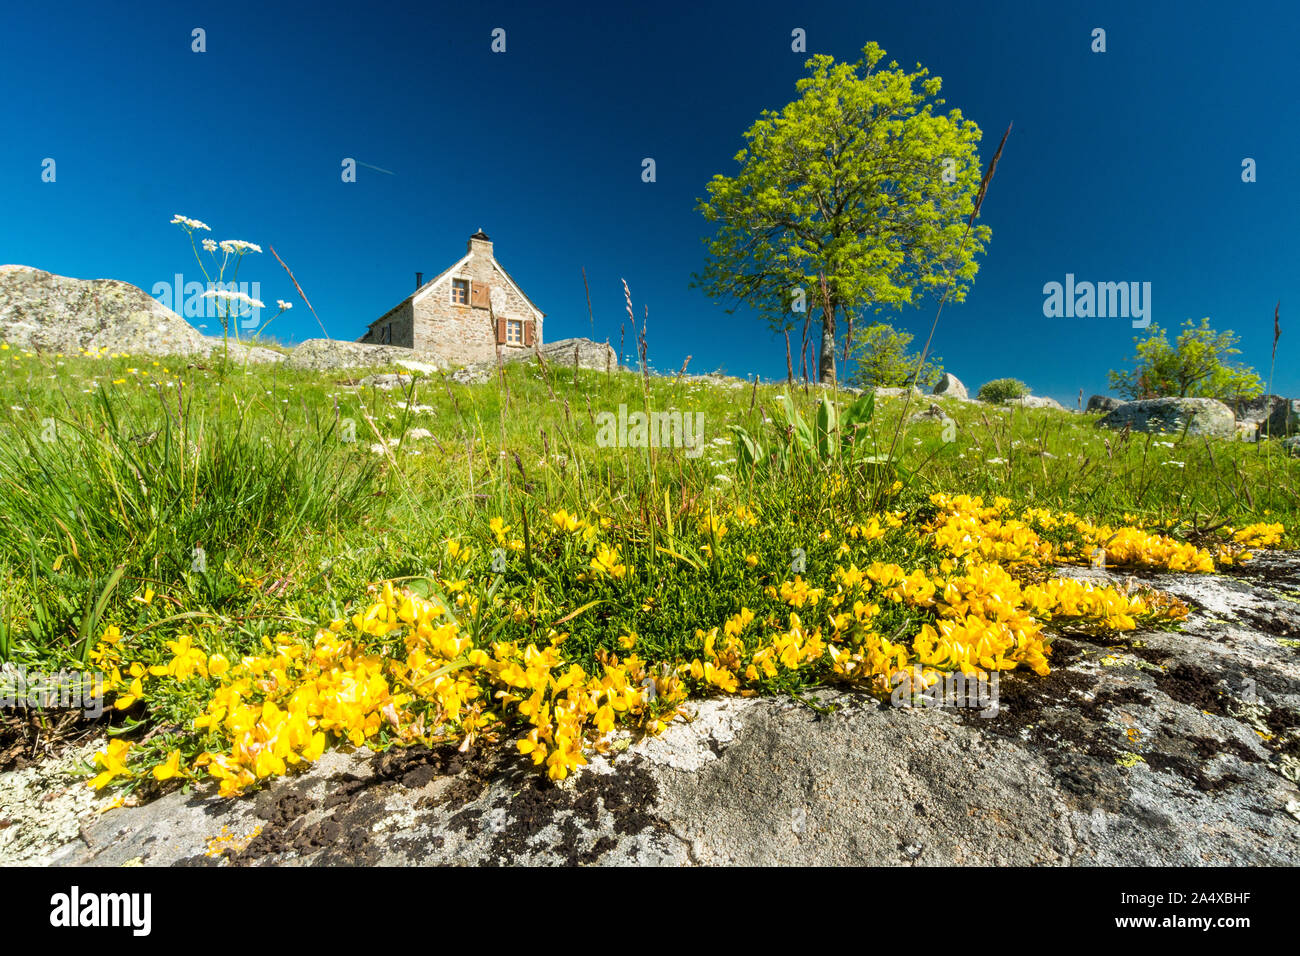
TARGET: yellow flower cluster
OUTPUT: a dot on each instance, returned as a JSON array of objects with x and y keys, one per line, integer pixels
[
  {"x": 404, "y": 669},
  {"x": 280, "y": 709},
  {"x": 566, "y": 706},
  {"x": 1260, "y": 535},
  {"x": 966, "y": 526}
]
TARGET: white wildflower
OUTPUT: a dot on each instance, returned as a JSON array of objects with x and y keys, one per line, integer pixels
[
  {"x": 189, "y": 223},
  {"x": 282, "y": 305},
  {"x": 239, "y": 245},
  {"x": 233, "y": 297}
]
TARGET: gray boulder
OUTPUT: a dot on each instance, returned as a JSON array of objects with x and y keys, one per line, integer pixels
[
  {"x": 584, "y": 353},
  {"x": 565, "y": 353},
  {"x": 1201, "y": 416},
  {"x": 1255, "y": 409},
  {"x": 951, "y": 386},
  {"x": 1283, "y": 419},
  {"x": 1037, "y": 401},
  {"x": 1104, "y": 403},
  {"x": 323, "y": 354},
  {"x": 386, "y": 382},
  {"x": 932, "y": 414},
  {"x": 45, "y": 312},
  {"x": 890, "y": 392}
]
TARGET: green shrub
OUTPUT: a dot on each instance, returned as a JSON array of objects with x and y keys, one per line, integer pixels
[{"x": 1002, "y": 390}]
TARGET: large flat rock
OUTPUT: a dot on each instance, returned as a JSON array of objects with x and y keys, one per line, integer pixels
[
  {"x": 1157, "y": 748},
  {"x": 1200, "y": 416}
]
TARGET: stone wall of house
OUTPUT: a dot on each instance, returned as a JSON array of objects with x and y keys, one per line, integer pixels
[
  {"x": 402, "y": 328},
  {"x": 465, "y": 333}
]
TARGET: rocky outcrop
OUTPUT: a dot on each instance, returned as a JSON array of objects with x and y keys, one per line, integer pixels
[
  {"x": 1255, "y": 409},
  {"x": 1200, "y": 416},
  {"x": 323, "y": 354},
  {"x": 951, "y": 386},
  {"x": 932, "y": 414},
  {"x": 566, "y": 353},
  {"x": 1103, "y": 403},
  {"x": 1037, "y": 401},
  {"x": 52, "y": 313},
  {"x": 387, "y": 382},
  {"x": 1164, "y": 748},
  {"x": 1283, "y": 419}
]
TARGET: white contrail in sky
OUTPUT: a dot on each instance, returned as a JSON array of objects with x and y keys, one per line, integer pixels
[{"x": 375, "y": 168}]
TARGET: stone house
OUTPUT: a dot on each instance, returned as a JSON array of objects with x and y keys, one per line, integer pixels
[{"x": 463, "y": 313}]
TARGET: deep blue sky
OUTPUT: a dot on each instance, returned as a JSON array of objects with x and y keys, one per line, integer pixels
[{"x": 1123, "y": 166}]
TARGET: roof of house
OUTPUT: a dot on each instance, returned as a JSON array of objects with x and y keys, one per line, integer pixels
[{"x": 456, "y": 265}]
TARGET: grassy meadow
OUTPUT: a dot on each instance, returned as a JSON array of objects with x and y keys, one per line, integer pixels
[{"x": 216, "y": 540}]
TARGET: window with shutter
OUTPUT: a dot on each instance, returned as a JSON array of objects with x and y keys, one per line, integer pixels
[
  {"x": 529, "y": 332},
  {"x": 514, "y": 332},
  {"x": 501, "y": 331},
  {"x": 460, "y": 292},
  {"x": 479, "y": 295}
]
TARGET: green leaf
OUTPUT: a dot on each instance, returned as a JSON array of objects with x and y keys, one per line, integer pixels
[{"x": 828, "y": 436}]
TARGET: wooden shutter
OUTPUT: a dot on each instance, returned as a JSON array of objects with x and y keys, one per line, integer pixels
[
  {"x": 501, "y": 330},
  {"x": 528, "y": 332},
  {"x": 478, "y": 295}
]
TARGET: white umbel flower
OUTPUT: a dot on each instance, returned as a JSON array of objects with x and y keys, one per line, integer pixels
[
  {"x": 238, "y": 245},
  {"x": 233, "y": 297},
  {"x": 189, "y": 223}
]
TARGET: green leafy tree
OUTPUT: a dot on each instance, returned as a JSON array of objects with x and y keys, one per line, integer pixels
[
  {"x": 858, "y": 182},
  {"x": 1197, "y": 365},
  {"x": 881, "y": 359}
]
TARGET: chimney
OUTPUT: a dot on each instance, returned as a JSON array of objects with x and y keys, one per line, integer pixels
[
  {"x": 480, "y": 244},
  {"x": 419, "y": 280}
]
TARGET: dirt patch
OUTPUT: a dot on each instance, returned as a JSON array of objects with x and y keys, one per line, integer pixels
[
  {"x": 355, "y": 803},
  {"x": 1047, "y": 710},
  {"x": 1208, "y": 747},
  {"x": 28, "y": 737},
  {"x": 1195, "y": 687},
  {"x": 1273, "y": 623},
  {"x": 284, "y": 809},
  {"x": 627, "y": 798},
  {"x": 1191, "y": 771}
]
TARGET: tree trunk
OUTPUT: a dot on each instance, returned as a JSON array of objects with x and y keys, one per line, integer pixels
[
  {"x": 826, "y": 361},
  {"x": 826, "y": 366},
  {"x": 789, "y": 365},
  {"x": 803, "y": 350}
]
